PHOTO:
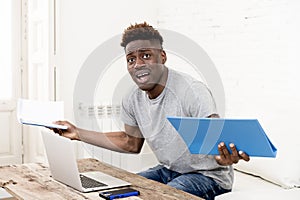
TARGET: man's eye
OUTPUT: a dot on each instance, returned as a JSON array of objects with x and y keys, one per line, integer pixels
[
  {"x": 146, "y": 55},
  {"x": 130, "y": 60}
]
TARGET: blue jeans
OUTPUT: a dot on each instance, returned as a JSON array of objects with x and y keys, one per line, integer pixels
[{"x": 194, "y": 183}]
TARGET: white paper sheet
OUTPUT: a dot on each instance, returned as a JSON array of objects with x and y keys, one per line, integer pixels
[
  {"x": 4, "y": 194},
  {"x": 40, "y": 113}
]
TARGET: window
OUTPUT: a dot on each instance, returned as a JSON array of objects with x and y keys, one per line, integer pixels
[{"x": 5, "y": 50}]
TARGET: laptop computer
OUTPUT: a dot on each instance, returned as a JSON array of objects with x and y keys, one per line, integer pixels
[{"x": 63, "y": 166}]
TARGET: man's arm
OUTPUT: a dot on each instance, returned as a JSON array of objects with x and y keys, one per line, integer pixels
[
  {"x": 128, "y": 141},
  {"x": 225, "y": 158}
]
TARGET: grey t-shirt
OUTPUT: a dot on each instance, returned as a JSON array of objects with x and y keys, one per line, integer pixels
[{"x": 182, "y": 96}]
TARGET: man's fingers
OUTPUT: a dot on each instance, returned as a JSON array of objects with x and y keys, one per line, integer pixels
[
  {"x": 58, "y": 131},
  {"x": 224, "y": 158},
  {"x": 233, "y": 150},
  {"x": 244, "y": 156},
  {"x": 219, "y": 160},
  {"x": 227, "y": 158},
  {"x": 234, "y": 153},
  {"x": 60, "y": 122},
  {"x": 55, "y": 130},
  {"x": 221, "y": 152},
  {"x": 225, "y": 150}
]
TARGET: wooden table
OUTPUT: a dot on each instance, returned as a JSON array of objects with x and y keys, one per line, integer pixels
[{"x": 33, "y": 181}]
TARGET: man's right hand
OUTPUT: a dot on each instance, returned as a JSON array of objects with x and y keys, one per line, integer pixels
[{"x": 71, "y": 132}]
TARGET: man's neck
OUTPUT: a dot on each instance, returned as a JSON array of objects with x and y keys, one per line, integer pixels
[{"x": 159, "y": 87}]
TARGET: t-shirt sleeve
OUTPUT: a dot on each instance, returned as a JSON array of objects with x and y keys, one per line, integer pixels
[
  {"x": 127, "y": 112},
  {"x": 200, "y": 100}
]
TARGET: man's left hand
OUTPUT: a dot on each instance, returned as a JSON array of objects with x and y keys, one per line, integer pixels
[{"x": 225, "y": 158}]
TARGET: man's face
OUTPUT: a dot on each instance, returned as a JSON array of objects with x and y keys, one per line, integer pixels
[{"x": 145, "y": 63}]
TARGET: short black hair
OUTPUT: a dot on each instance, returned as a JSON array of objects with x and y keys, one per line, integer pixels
[{"x": 142, "y": 31}]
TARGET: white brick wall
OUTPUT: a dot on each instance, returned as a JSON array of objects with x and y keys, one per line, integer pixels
[
  {"x": 255, "y": 47},
  {"x": 82, "y": 26}
]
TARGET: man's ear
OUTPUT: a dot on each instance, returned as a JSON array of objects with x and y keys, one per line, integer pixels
[{"x": 163, "y": 56}]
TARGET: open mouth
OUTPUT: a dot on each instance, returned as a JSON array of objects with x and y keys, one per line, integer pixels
[{"x": 142, "y": 76}]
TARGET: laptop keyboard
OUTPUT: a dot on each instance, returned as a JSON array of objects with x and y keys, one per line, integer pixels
[{"x": 90, "y": 183}]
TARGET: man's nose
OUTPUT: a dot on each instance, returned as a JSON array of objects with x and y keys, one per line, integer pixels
[{"x": 139, "y": 63}]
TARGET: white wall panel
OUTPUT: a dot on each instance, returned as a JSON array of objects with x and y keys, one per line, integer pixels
[
  {"x": 255, "y": 47},
  {"x": 82, "y": 26}
]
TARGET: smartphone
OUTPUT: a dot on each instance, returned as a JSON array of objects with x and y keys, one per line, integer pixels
[{"x": 119, "y": 193}]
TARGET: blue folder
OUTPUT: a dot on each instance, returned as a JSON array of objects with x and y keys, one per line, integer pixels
[{"x": 202, "y": 135}]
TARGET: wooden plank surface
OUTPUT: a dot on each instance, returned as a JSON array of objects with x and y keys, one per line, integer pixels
[
  {"x": 33, "y": 181},
  {"x": 150, "y": 190}
]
